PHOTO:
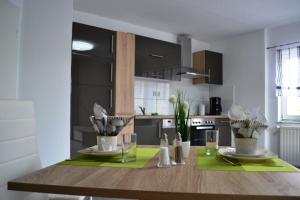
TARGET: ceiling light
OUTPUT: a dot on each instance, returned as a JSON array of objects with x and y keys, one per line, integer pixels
[{"x": 79, "y": 45}]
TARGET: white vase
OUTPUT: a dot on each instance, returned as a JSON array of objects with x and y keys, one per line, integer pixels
[
  {"x": 107, "y": 143},
  {"x": 246, "y": 145},
  {"x": 186, "y": 148}
]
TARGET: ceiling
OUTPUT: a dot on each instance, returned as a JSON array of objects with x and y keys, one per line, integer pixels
[{"x": 206, "y": 20}]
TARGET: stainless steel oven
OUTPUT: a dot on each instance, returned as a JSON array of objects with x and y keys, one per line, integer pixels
[{"x": 198, "y": 128}]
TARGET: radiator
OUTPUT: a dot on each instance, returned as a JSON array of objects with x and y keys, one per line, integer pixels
[{"x": 290, "y": 143}]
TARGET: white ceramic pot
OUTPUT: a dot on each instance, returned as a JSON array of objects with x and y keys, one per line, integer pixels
[
  {"x": 246, "y": 145},
  {"x": 107, "y": 143},
  {"x": 186, "y": 148}
]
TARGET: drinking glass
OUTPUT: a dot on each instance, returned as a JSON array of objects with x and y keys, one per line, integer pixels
[
  {"x": 129, "y": 148},
  {"x": 212, "y": 140}
]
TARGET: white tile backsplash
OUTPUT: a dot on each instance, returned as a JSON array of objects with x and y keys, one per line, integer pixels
[
  {"x": 162, "y": 90},
  {"x": 154, "y": 94},
  {"x": 163, "y": 106},
  {"x": 149, "y": 104},
  {"x": 197, "y": 94}
]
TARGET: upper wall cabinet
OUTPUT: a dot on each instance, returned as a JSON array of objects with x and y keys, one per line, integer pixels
[
  {"x": 93, "y": 72},
  {"x": 103, "y": 41},
  {"x": 208, "y": 62},
  {"x": 157, "y": 59}
]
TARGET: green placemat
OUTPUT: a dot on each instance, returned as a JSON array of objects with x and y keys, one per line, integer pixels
[
  {"x": 216, "y": 163},
  {"x": 144, "y": 155}
]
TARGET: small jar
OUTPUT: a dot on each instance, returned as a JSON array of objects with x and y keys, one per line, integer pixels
[{"x": 178, "y": 153}]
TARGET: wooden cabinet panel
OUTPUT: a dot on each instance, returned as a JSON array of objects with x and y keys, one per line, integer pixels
[
  {"x": 124, "y": 86},
  {"x": 208, "y": 62},
  {"x": 199, "y": 66}
]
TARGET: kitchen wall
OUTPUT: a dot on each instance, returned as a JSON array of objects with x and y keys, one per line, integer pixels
[
  {"x": 10, "y": 15},
  {"x": 276, "y": 36},
  {"x": 153, "y": 94},
  {"x": 152, "y": 103},
  {"x": 243, "y": 71},
  {"x": 45, "y": 73}
]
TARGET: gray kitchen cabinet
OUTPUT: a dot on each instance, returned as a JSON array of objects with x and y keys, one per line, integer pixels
[
  {"x": 148, "y": 131},
  {"x": 224, "y": 132},
  {"x": 157, "y": 59},
  {"x": 93, "y": 81},
  {"x": 93, "y": 73}
]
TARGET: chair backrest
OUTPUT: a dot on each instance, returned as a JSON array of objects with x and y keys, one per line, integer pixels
[{"x": 18, "y": 146}]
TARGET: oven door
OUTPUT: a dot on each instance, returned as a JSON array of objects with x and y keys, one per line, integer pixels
[{"x": 198, "y": 135}]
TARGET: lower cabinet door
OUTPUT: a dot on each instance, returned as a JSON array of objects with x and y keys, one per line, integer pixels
[{"x": 147, "y": 131}]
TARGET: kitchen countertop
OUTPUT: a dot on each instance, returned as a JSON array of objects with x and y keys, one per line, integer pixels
[{"x": 172, "y": 116}]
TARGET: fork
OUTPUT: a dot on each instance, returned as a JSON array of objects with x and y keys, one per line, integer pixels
[
  {"x": 234, "y": 163},
  {"x": 237, "y": 163}
]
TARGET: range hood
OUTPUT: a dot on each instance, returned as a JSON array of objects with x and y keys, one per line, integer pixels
[{"x": 186, "y": 70}]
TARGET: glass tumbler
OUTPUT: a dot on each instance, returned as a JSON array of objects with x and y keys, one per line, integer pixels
[
  {"x": 129, "y": 148},
  {"x": 212, "y": 140}
]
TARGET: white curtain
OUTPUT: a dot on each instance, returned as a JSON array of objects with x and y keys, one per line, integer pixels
[{"x": 288, "y": 72}]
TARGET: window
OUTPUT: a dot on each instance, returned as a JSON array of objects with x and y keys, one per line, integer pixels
[
  {"x": 289, "y": 108},
  {"x": 288, "y": 83}
]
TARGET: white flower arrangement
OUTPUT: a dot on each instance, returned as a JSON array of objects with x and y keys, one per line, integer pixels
[
  {"x": 246, "y": 124},
  {"x": 181, "y": 114}
]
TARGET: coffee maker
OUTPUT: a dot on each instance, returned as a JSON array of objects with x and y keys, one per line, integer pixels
[{"x": 215, "y": 105}]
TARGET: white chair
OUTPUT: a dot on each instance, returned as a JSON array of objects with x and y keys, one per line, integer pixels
[{"x": 18, "y": 149}]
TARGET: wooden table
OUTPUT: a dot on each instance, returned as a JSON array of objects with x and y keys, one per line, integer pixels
[{"x": 181, "y": 182}]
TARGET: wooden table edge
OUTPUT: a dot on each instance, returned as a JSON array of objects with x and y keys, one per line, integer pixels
[{"x": 134, "y": 194}]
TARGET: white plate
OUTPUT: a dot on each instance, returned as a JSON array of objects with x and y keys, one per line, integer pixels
[
  {"x": 95, "y": 152},
  {"x": 229, "y": 152},
  {"x": 259, "y": 152}
]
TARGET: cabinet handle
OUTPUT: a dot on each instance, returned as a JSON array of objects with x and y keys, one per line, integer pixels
[
  {"x": 208, "y": 75},
  {"x": 156, "y": 76},
  {"x": 227, "y": 122},
  {"x": 156, "y": 56},
  {"x": 110, "y": 98},
  {"x": 159, "y": 128},
  {"x": 112, "y": 43},
  {"x": 111, "y": 72}
]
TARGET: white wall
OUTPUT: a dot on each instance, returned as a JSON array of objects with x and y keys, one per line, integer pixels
[
  {"x": 276, "y": 36},
  {"x": 9, "y": 45},
  {"x": 243, "y": 71},
  {"x": 243, "y": 67},
  {"x": 45, "y": 73}
]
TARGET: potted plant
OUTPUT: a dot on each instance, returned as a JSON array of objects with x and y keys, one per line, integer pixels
[
  {"x": 182, "y": 122},
  {"x": 246, "y": 126}
]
